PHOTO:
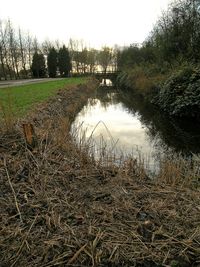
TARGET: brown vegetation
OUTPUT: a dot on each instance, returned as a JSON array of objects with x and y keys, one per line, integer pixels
[{"x": 61, "y": 208}]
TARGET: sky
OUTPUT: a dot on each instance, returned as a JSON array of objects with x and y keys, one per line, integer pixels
[{"x": 97, "y": 22}]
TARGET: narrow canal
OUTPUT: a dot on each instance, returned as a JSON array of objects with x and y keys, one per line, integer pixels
[{"x": 120, "y": 123}]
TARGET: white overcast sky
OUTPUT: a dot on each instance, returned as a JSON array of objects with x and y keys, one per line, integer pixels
[{"x": 97, "y": 22}]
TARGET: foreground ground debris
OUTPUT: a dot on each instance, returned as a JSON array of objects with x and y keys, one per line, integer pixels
[{"x": 60, "y": 208}]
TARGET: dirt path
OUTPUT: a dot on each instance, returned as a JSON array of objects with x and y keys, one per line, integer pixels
[{"x": 4, "y": 84}]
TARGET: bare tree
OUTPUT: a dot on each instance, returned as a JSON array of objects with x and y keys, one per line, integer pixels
[
  {"x": 83, "y": 58},
  {"x": 36, "y": 47},
  {"x": 13, "y": 49},
  {"x": 5, "y": 48},
  {"x": 75, "y": 47},
  {"x": 23, "y": 52},
  {"x": 105, "y": 58},
  {"x": 29, "y": 46},
  {"x": 92, "y": 60},
  {"x": 46, "y": 46},
  {"x": 1, "y": 53},
  {"x": 114, "y": 58}
]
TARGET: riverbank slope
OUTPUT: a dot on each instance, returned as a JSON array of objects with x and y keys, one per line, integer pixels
[{"x": 61, "y": 208}]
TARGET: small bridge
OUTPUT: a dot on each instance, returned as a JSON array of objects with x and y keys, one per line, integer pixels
[{"x": 111, "y": 75}]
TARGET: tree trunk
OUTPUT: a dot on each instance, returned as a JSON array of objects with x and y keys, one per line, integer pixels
[
  {"x": 22, "y": 53},
  {"x": 2, "y": 64}
]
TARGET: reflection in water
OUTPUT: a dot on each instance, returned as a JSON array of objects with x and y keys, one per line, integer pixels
[
  {"x": 130, "y": 125},
  {"x": 106, "y": 82}
]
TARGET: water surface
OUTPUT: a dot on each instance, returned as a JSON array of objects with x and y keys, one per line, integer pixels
[{"x": 124, "y": 123}]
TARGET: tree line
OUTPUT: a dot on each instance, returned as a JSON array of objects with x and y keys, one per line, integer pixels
[
  {"x": 22, "y": 56},
  {"x": 165, "y": 69},
  {"x": 57, "y": 61},
  {"x": 174, "y": 39}
]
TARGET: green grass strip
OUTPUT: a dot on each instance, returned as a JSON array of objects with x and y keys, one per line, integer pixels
[{"x": 20, "y": 99}]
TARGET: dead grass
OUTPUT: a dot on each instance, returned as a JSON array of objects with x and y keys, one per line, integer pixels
[
  {"x": 179, "y": 171},
  {"x": 60, "y": 208},
  {"x": 144, "y": 83},
  {"x": 7, "y": 116}
]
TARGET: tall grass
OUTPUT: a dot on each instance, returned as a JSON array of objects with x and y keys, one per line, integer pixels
[
  {"x": 178, "y": 170},
  {"x": 174, "y": 170},
  {"x": 143, "y": 79},
  {"x": 7, "y": 114}
]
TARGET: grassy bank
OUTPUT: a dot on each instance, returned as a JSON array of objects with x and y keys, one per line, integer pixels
[
  {"x": 61, "y": 208},
  {"x": 19, "y": 99}
]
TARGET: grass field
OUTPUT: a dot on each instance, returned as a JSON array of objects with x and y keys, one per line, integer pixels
[{"x": 20, "y": 99}]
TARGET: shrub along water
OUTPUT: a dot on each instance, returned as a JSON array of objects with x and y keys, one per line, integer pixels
[{"x": 180, "y": 94}]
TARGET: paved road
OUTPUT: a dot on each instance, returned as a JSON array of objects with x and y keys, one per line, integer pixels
[{"x": 4, "y": 84}]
